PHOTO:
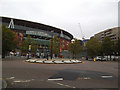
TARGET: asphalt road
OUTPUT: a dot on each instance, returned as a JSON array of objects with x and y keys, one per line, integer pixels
[{"x": 89, "y": 74}]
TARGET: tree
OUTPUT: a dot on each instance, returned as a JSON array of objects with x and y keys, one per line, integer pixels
[
  {"x": 116, "y": 48},
  {"x": 55, "y": 45},
  {"x": 75, "y": 47},
  {"x": 107, "y": 45},
  {"x": 26, "y": 43},
  {"x": 9, "y": 41},
  {"x": 93, "y": 47}
]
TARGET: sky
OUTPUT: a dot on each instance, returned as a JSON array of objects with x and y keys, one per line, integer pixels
[{"x": 78, "y": 17}]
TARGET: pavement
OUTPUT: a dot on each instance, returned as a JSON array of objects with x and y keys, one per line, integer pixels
[{"x": 88, "y": 74}]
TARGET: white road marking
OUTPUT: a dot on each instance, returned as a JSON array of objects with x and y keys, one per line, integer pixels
[
  {"x": 106, "y": 76},
  {"x": 73, "y": 87},
  {"x": 68, "y": 86},
  {"x": 65, "y": 85},
  {"x": 56, "y": 79},
  {"x": 87, "y": 78},
  {"x": 22, "y": 81},
  {"x": 16, "y": 81},
  {"x": 84, "y": 78},
  {"x": 11, "y": 78},
  {"x": 59, "y": 83}
]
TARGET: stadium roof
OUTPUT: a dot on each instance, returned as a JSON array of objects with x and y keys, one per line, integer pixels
[{"x": 36, "y": 25}]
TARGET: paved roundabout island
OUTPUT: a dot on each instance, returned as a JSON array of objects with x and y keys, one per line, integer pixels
[{"x": 54, "y": 61}]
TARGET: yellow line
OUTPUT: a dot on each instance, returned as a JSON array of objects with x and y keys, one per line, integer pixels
[{"x": 4, "y": 78}]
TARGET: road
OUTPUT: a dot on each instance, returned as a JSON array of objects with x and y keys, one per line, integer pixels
[{"x": 89, "y": 74}]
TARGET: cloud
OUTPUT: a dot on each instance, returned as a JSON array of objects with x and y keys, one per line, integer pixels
[{"x": 94, "y": 15}]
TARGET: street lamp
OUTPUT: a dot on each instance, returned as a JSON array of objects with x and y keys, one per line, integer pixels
[
  {"x": 52, "y": 46},
  {"x": 29, "y": 48}
]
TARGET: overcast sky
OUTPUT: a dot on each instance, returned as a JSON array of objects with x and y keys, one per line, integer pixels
[{"x": 93, "y": 15}]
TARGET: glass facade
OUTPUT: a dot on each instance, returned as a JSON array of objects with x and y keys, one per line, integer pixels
[
  {"x": 41, "y": 42},
  {"x": 39, "y": 32}
]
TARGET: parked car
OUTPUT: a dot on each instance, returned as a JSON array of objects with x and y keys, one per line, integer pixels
[
  {"x": 100, "y": 58},
  {"x": 103, "y": 59},
  {"x": 113, "y": 58}
]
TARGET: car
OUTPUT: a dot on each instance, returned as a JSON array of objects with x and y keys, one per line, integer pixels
[
  {"x": 103, "y": 58},
  {"x": 112, "y": 58},
  {"x": 100, "y": 58},
  {"x": 115, "y": 58}
]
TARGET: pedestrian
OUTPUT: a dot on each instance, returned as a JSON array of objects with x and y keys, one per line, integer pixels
[{"x": 47, "y": 56}]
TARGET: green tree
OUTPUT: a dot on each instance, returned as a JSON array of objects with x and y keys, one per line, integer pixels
[
  {"x": 116, "y": 48},
  {"x": 26, "y": 43},
  {"x": 9, "y": 41},
  {"x": 55, "y": 45},
  {"x": 75, "y": 47},
  {"x": 93, "y": 47},
  {"x": 107, "y": 46}
]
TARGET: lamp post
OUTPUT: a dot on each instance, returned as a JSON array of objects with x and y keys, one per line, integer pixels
[
  {"x": 52, "y": 46},
  {"x": 29, "y": 48}
]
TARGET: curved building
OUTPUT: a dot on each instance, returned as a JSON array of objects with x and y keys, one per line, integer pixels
[{"x": 40, "y": 32}]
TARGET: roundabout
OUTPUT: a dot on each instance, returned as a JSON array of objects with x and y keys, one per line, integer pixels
[
  {"x": 56, "y": 73},
  {"x": 53, "y": 61}
]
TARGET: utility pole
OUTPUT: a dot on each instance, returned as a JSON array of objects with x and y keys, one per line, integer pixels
[{"x": 52, "y": 45}]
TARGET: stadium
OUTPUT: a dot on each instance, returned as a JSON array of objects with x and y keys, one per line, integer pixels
[{"x": 41, "y": 33}]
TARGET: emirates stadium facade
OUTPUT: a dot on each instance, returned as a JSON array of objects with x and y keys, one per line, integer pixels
[{"x": 41, "y": 33}]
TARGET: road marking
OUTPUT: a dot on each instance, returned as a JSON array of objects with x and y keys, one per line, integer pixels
[
  {"x": 87, "y": 78},
  {"x": 16, "y": 81},
  {"x": 22, "y": 81},
  {"x": 4, "y": 78},
  {"x": 73, "y": 87},
  {"x": 106, "y": 76},
  {"x": 59, "y": 83},
  {"x": 56, "y": 79},
  {"x": 11, "y": 78},
  {"x": 65, "y": 85},
  {"x": 69, "y": 86},
  {"x": 32, "y": 79},
  {"x": 84, "y": 78}
]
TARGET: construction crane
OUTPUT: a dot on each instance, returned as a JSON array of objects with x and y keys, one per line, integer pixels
[{"x": 83, "y": 37}]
